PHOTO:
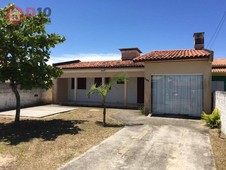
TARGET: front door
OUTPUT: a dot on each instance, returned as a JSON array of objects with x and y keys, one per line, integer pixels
[{"x": 140, "y": 90}]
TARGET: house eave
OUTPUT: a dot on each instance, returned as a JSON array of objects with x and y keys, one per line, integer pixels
[{"x": 104, "y": 70}]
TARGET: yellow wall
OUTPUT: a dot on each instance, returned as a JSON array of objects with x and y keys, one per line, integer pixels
[{"x": 179, "y": 67}]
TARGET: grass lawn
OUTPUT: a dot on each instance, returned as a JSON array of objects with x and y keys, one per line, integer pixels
[
  {"x": 50, "y": 142},
  {"x": 219, "y": 148}
]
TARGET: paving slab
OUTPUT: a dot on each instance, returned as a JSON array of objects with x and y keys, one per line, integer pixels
[
  {"x": 40, "y": 111},
  {"x": 147, "y": 144}
]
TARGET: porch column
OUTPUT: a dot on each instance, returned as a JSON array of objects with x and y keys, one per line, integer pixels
[
  {"x": 75, "y": 89},
  {"x": 103, "y": 80},
  {"x": 125, "y": 93}
]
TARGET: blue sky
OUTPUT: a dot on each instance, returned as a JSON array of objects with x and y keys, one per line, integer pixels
[{"x": 96, "y": 29}]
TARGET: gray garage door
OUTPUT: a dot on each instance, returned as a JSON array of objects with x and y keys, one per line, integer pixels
[{"x": 177, "y": 94}]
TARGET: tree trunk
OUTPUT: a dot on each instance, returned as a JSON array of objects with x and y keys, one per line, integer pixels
[
  {"x": 104, "y": 116},
  {"x": 17, "y": 95}
]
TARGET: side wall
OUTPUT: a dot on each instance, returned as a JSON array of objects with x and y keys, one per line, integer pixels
[
  {"x": 220, "y": 103},
  {"x": 179, "y": 67},
  {"x": 28, "y": 97}
]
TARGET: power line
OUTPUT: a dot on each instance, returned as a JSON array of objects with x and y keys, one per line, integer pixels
[{"x": 216, "y": 33}]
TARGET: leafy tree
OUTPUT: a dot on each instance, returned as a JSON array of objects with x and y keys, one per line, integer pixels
[
  {"x": 103, "y": 91},
  {"x": 24, "y": 52}
]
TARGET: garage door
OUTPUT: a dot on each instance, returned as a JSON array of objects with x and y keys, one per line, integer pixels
[{"x": 177, "y": 94}]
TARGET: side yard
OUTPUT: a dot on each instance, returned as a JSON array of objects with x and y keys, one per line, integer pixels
[
  {"x": 219, "y": 142},
  {"x": 219, "y": 148},
  {"x": 50, "y": 142}
]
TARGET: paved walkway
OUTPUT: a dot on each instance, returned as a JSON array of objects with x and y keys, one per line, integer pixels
[
  {"x": 150, "y": 143},
  {"x": 40, "y": 111}
]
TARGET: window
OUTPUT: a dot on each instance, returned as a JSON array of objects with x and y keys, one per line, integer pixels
[
  {"x": 73, "y": 83},
  {"x": 98, "y": 81},
  {"x": 81, "y": 83},
  {"x": 107, "y": 80}
]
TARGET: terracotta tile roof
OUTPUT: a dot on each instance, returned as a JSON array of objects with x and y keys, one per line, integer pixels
[
  {"x": 219, "y": 65},
  {"x": 173, "y": 55},
  {"x": 221, "y": 62},
  {"x": 218, "y": 70},
  {"x": 100, "y": 64}
]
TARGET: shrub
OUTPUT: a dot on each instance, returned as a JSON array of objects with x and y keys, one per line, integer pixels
[
  {"x": 212, "y": 120},
  {"x": 143, "y": 111}
]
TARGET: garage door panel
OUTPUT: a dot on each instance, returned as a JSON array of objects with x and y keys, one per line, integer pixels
[{"x": 177, "y": 94}]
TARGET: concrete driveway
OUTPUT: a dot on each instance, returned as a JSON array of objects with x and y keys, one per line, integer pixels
[
  {"x": 150, "y": 143},
  {"x": 39, "y": 111}
]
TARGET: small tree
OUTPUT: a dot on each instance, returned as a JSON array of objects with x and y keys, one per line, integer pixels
[
  {"x": 103, "y": 91},
  {"x": 24, "y": 52}
]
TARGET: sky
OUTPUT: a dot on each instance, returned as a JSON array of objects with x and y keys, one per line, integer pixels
[{"x": 96, "y": 29}]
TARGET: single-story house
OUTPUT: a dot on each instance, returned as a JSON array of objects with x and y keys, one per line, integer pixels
[
  {"x": 165, "y": 81},
  {"x": 219, "y": 75}
]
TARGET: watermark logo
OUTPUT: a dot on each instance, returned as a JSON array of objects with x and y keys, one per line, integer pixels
[
  {"x": 32, "y": 11},
  {"x": 14, "y": 15}
]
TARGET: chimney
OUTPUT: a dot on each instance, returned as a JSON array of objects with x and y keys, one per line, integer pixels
[
  {"x": 199, "y": 40},
  {"x": 130, "y": 53}
]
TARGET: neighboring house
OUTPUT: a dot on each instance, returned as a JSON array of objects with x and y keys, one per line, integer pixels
[
  {"x": 219, "y": 75},
  {"x": 166, "y": 82}
]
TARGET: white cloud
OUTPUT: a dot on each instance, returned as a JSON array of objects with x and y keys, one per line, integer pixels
[{"x": 84, "y": 57}]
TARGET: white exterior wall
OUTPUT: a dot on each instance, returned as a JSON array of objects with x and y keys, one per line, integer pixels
[
  {"x": 116, "y": 94},
  {"x": 82, "y": 94},
  {"x": 28, "y": 97},
  {"x": 120, "y": 94},
  {"x": 220, "y": 103}
]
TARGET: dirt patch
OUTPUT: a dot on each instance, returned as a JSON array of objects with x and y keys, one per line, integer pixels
[
  {"x": 218, "y": 143},
  {"x": 48, "y": 143}
]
